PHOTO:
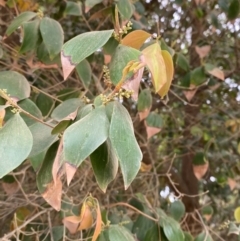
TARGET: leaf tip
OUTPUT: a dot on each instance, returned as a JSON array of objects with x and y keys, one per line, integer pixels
[
  {"x": 70, "y": 172},
  {"x": 67, "y": 65}
]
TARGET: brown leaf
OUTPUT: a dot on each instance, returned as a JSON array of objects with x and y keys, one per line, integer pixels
[
  {"x": 218, "y": 73},
  {"x": 67, "y": 65},
  {"x": 72, "y": 223},
  {"x": 144, "y": 114},
  {"x": 86, "y": 218},
  {"x": 133, "y": 83},
  {"x": 232, "y": 183},
  {"x": 207, "y": 216},
  {"x": 135, "y": 39},
  {"x": 10, "y": 188},
  {"x": 82, "y": 222},
  {"x": 200, "y": 170},
  {"x": 145, "y": 167},
  {"x": 53, "y": 194},
  {"x": 151, "y": 131},
  {"x": 98, "y": 227},
  {"x": 70, "y": 171},
  {"x": 2, "y": 3},
  {"x": 2, "y": 115},
  {"x": 57, "y": 163},
  {"x": 189, "y": 94},
  {"x": 107, "y": 58},
  {"x": 203, "y": 51}
]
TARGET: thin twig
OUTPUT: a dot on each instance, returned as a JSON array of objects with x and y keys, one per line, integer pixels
[
  {"x": 9, "y": 235},
  {"x": 133, "y": 208}
]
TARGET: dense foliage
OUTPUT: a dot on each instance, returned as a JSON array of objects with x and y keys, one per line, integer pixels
[{"x": 119, "y": 120}]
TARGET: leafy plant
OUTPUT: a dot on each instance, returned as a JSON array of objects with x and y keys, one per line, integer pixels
[{"x": 91, "y": 91}]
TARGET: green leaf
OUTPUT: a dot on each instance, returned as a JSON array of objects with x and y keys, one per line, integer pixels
[
  {"x": 57, "y": 233},
  {"x": 144, "y": 100},
  {"x": 36, "y": 161},
  {"x": 66, "y": 108},
  {"x": 43, "y": 55},
  {"x": 233, "y": 229},
  {"x": 142, "y": 225},
  {"x": 199, "y": 159},
  {"x": 104, "y": 164},
  {"x": 61, "y": 126},
  {"x": 28, "y": 106},
  {"x": 42, "y": 138},
  {"x": 68, "y": 93},
  {"x": 223, "y": 4},
  {"x": 84, "y": 111},
  {"x": 16, "y": 84},
  {"x": 119, "y": 233},
  {"x": 188, "y": 236},
  {"x": 44, "y": 103},
  {"x": 182, "y": 62},
  {"x": 122, "y": 56},
  {"x": 73, "y": 8},
  {"x": 31, "y": 36},
  {"x": 44, "y": 175},
  {"x": 15, "y": 144},
  {"x": 164, "y": 46},
  {"x": 203, "y": 237},
  {"x": 207, "y": 210},
  {"x": 153, "y": 234},
  {"x": 52, "y": 35},
  {"x": 110, "y": 46},
  {"x": 124, "y": 143},
  {"x": 79, "y": 48},
  {"x": 177, "y": 210},
  {"x": 19, "y": 20},
  {"x": 84, "y": 72},
  {"x": 91, "y": 3},
  {"x": 125, "y": 8},
  {"x": 233, "y": 9},
  {"x": 198, "y": 76},
  {"x": 171, "y": 227},
  {"x": 85, "y": 136},
  {"x": 154, "y": 120}
]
